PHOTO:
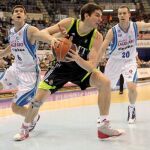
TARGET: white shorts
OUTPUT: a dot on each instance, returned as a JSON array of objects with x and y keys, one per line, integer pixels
[
  {"x": 25, "y": 83},
  {"x": 114, "y": 68}
]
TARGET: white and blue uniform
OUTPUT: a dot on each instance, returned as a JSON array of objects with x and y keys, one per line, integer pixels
[
  {"x": 23, "y": 75},
  {"x": 122, "y": 58}
]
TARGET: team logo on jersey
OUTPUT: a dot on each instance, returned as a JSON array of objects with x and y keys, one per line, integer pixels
[
  {"x": 9, "y": 84},
  {"x": 17, "y": 38},
  {"x": 130, "y": 37},
  {"x": 85, "y": 41},
  {"x": 120, "y": 35},
  {"x": 73, "y": 34},
  {"x": 119, "y": 31},
  {"x": 71, "y": 38},
  {"x": 19, "y": 58}
]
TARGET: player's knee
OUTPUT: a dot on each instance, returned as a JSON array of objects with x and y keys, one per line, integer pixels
[
  {"x": 15, "y": 108},
  {"x": 132, "y": 87},
  {"x": 36, "y": 104},
  {"x": 106, "y": 83}
]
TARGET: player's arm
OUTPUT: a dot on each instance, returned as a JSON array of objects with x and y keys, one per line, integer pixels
[
  {"x": 46, "y": 35},
  {"x": 142, "y": 26},
  {"x": 59, "y": 27},
  {"x": 34, "y": 35},
  {"x": 5, "y": 52},
  {"x": 105, "y": 44},
  {"x": 92, "y": 62}
]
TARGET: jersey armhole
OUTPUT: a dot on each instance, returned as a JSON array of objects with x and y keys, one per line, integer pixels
[
  {"x": 92, "y": 39},
  {"x": 72, "y": 22}
]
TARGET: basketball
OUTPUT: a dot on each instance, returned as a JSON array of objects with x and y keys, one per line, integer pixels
[{"x": 61, "y": 50}]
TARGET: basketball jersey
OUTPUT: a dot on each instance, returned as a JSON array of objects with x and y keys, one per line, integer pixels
[
  {"x": 83, "y": 42},
  {"x": 23, "y": 51},
  {"x": 124, "y": 44}
]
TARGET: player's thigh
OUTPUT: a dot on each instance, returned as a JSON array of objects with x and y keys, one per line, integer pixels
[
  {"x": 112, "y": 72},
  {"x": 9, "y": 79},
  {"x": 27, "y": 88},
  {"x": 130, "y": 72},
  {"x": 98, "y": 79}
]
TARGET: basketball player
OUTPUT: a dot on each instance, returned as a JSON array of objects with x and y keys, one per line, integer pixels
[
  {"x": 80, "y": 69},
  {"x": 23, "y": 75},
  {"x": 123, "y": 38}
]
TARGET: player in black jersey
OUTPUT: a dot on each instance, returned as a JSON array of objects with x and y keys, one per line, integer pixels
[{"x": 80, "y": 68}]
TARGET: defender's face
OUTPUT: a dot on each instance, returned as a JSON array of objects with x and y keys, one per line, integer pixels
[
  {"x": 95, "y": 18},
  {"x": 18, "y": 15},
  {"x": 123, "y": 15}
]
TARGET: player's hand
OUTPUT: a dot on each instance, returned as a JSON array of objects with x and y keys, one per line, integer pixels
[
  {"x": 55, "y": 42},
  {"x": 2, "y": 63},
  {"x": 72, "y": 56}
]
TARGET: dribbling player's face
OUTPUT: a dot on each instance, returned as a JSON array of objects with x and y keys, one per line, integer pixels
[
  {"x": 123, "y": 15},
  {"x": 18, "y": 15},
  {"x": 95, "y": 18}
]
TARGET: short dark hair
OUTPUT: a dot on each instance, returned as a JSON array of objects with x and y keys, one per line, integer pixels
[
  {"x": 89, "y": 8},
  {"x": 19, "y": 6},
  {"x": 124, "y": 6}
]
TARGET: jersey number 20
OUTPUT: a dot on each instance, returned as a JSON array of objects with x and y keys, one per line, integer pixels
[{"x": 126, "y": 54}]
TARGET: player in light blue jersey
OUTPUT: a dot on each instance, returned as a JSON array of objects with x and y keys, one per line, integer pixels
[
  {"x": 23, "y": 75},
  {"x": 123, "y": 38}
]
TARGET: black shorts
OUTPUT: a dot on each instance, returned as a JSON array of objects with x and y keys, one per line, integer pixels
[{"x": 62, "y": 72}]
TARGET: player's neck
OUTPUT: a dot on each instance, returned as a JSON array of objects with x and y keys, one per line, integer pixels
[
  {"x": 18, "y": 26},
  {"x": 83, "y": 28},
  {"x": 124, "y": 26}
]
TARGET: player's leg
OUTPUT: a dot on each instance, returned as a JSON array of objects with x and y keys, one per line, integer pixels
[
  {"x": 19, "y": 110},
  {"x": 102, "y": 83},
  {"x": 9, "y": 79},
  {"x": 45, "y": 87},
  {"x": 121, "y": 84},
  {"x": 26, "y": 84},
  {"x": 132, "y": 94},
  {"x": 36, "y": 104},
  {"x": 130, "y": 75},
  {"x": 31, "y": 113}
]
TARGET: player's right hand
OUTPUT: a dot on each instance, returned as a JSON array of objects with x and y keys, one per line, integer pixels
[{"x": 2, "y": 63}]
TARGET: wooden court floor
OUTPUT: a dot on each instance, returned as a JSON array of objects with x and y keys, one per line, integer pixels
[{"x": 89, "y": 99}]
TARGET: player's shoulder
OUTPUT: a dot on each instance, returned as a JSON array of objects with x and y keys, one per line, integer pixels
[
  {"x": 68, "y": 20},
  {"x": 32, "y": 28}
]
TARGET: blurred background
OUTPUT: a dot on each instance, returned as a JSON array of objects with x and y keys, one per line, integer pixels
[{"x": 45, "y": 13}]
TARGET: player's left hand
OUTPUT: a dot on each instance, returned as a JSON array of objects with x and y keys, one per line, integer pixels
[{"x": 72, "y": 56}]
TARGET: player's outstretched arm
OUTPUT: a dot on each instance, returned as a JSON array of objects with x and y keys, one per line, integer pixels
[
  {"x": 142, "y": 26},
  {"x": 47, "y": 34},
  {"x": 57, "y": 31},
  {"x": 34, "y": 34}
]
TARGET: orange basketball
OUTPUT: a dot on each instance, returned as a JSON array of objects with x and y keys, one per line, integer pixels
[{"x": 62, "y": 49}]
